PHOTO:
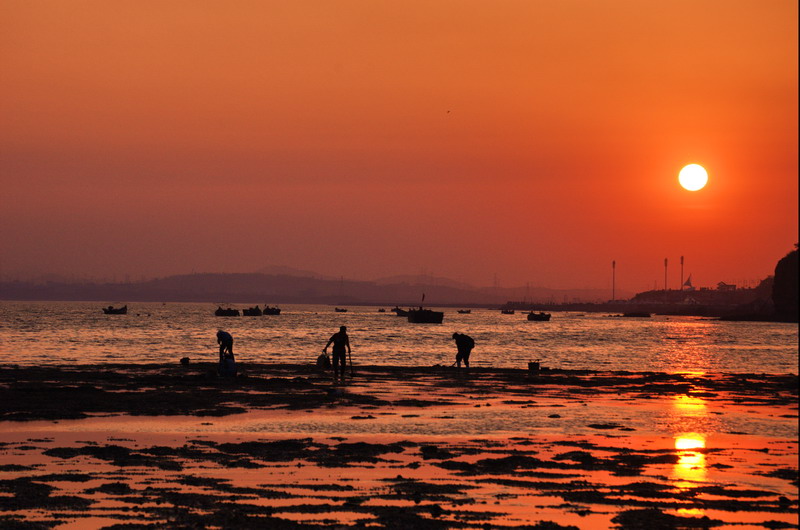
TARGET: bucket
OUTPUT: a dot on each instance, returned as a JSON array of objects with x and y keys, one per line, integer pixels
[{"x": 533, "y": 366}]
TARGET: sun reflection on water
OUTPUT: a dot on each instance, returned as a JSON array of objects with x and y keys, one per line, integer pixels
[{"x": 691, "y": 465}]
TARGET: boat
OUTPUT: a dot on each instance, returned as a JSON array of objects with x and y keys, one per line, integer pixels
[
  {"x": 538, "y": 317},
  {"x": 636, "y": 314},
  {"x": 229, "y": 312},
  {"x": 506, "y": 311},
  {"x": 252, "y": 312},
  {"x": 425, "y": 316},
  {"x": 271, "y": 310},
  {"x": 465, "y": 311},
  {"x": 381, "y": 310},
  {"x": 400, "y": 312},
  {"x": 111, "y": 310},
  {"x": 340, "y": 309}
]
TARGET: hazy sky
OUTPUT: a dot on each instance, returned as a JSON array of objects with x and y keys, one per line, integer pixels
[{"x": 532, "y": 140}]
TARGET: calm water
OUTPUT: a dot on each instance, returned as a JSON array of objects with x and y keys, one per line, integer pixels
[{"x": 78, "y": 332}]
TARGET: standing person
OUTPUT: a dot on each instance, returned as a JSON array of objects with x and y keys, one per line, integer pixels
[
  {"x": 464, "y": 344},
  {"x": 341, "y": 345}
]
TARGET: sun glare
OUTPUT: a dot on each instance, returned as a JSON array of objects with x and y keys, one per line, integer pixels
[{"x": 693, "y": 177}]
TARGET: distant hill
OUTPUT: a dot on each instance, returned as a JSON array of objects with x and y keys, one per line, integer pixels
[{"x": 305, "y": 287}]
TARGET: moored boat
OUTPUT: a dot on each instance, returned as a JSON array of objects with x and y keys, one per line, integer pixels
[
  {"x": 340, "y": 309},
  {"x": 425, "y": 316},
  {"x": 271, "y": 310},
  {"x": 538, "y": 317},
  {"x": 111, "y": 310},
  {"x": 506, "y": 311},
  {"x": 252, "y": 312},
  {"x": 399, "y": 312},
  {"x": 465, "y": 311},
  {"x": 229, "y": 312}
]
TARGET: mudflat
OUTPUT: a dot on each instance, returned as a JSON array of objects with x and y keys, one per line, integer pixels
[{"x": 284, "y": 446}]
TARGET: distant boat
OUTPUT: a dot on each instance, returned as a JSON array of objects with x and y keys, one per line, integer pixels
[
  {"x": 340, "y": 309},
  {"x": 465, "y": 311},
  {"x": 252, "y": 312},
  {"x": 381, "y": 310},
  {"x": 538, "y": 317},
  {"x": 271, "y": 310},
  {"x": 111, "y": 310},
  {"x": 636, "y": 314},
  {"x": 400, "y": 312},
  {"x": 507, "y": 311},
  {"x": 229, "y": 312},
  {"x": 425, "y": 316}
]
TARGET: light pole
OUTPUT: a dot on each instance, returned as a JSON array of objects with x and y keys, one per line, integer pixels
[{"x": 613, "y": 280}]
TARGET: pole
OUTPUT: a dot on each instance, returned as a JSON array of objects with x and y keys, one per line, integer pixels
[
  {"x": 665, "y": 280},
  {"x": 613, "y": 280},
  {"x": 681, "y": 273}
]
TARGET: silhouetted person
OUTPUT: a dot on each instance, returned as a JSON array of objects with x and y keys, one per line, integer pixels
[
  {"x": 464, "y": 344},
  {"x": 225, "y": 341},
  {"x": 341, "y": 347},
  {"x": 227, "y": 363}
]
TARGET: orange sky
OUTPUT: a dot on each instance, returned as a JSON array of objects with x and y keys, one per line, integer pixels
[{"x": 534, "y": 140}]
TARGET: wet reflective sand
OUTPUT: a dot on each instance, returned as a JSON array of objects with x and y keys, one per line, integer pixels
[{"x": 430, "y": 448}]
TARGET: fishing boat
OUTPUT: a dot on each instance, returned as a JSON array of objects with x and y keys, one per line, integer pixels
[
  {"x": 506, "y": 311},
  {"x": 538, "y": 317},
  {"x": 425, "y": 316},
  {"x": 340, "y": 309},
  {"x": 229, "y": 312},
  {"x": 111, "y": 310},
  {"x": 465, "y": 311},
  {"x": 636, "y": 314},
  {"x": 252, "y": 312},
  {"x": 271, "y": 310},
  {"x": 381, "y": 310}
]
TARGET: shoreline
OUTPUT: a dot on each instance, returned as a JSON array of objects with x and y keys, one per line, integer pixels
[{"x": 164, "y": 445}]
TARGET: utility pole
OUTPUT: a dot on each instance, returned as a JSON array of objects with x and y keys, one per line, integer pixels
[{"x": 613, "y": 280}]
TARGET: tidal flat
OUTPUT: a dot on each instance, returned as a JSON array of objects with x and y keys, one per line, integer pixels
[{"x": 283, "y": 446}]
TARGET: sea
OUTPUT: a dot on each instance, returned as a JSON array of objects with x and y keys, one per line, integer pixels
[{"x": 57, "y": 333}]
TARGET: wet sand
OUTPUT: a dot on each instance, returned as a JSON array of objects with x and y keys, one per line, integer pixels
[{"x": 136, "y": 446}]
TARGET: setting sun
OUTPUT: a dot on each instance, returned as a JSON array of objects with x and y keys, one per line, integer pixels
[{"x": 693, "y": 177}]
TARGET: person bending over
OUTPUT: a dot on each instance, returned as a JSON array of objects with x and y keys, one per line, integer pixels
[{"x": 464, "y": 345}]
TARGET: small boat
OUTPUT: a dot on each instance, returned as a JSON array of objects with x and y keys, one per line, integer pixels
[
  {"x": 425, "y": 316},
  {"x": 340, "y": 309},
  {"x": 400, "y": 312},
  {"x": 381, "y": 310},
  {"x": 538, "y": 317},
  {"x": 465, "y": 311},
  {"x": 271, "y": 310},
  {"x": 111, "y": 310},
  {"x": 229, "y": 312},
  {"x": 252, "y": 312},
  {"x": 636, "y": 314},
  {"x": 506, "y": 311}
]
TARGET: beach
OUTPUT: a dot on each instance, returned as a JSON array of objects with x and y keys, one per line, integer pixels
[{"x": 283, "y": 446}]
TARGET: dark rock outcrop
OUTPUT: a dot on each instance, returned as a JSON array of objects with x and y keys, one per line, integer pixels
[{"x": 785, "y": 288}]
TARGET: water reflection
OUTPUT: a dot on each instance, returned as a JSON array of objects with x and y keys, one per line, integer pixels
[
  {"x": 691, "y": 465},
  {"x": 687, "y": 346}
]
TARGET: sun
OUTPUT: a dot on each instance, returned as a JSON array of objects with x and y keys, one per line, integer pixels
[{"x": 693, "y": 177}]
